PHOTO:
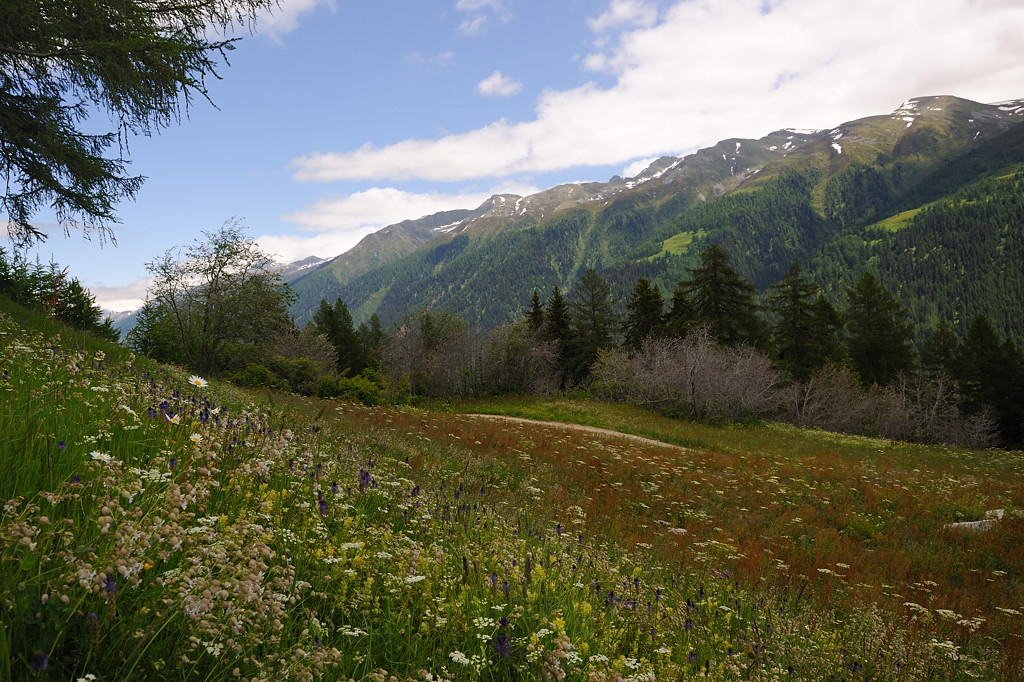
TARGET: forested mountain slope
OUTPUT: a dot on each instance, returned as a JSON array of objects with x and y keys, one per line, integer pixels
[{"x": 923, "y": 196}]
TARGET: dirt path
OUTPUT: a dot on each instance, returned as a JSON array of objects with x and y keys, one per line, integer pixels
[{"x": 578, "y": 427}]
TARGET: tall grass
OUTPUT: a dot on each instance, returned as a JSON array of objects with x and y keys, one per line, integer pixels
[{"x": 156, "y": 529}]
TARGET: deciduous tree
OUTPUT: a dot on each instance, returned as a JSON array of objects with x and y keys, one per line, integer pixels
[{"x": 220, "y": 299}]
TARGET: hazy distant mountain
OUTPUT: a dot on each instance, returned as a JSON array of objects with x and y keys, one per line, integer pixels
[
  {"x": 292, "y": 271},
  {"x": 123, "y": 320}
]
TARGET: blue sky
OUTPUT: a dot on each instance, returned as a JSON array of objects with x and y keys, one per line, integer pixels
[{"x": 337, "y": 118}]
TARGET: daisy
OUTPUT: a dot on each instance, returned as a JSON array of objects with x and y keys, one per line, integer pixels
[
  {"x": 196, "y": 438},
  {"x": 100, "y": 456},
  {"x": 197, "y": 381},
  {"x": 174, "y": 420}
]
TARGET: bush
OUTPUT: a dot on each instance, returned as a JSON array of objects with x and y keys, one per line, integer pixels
[
  {"x": 360, "y": 388},
  {"x": 257, "y": 376},
  {"x": 695, "y": 377}
]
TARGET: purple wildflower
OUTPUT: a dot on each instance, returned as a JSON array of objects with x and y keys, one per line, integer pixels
[
  {"x": 501, "y": 645},
  {"x": 61, "y": 445},
  {"x": 40, "y": 660}
]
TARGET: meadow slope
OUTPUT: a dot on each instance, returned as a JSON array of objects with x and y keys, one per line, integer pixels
[{"x": 157, "y": 526}]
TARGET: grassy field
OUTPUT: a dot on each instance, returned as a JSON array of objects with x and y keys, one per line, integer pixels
[{"x": 157, "y": 526}]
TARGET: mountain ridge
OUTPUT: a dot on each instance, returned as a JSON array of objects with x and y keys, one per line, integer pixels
[{"x": 803, "y": 188}]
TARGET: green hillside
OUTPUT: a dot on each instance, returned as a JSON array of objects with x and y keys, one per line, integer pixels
[{"x": 868, "y": 195}]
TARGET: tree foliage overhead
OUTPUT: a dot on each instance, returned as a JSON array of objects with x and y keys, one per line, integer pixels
[{"x": 136, "y": 61}]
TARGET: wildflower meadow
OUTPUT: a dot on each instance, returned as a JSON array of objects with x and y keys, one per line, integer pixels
[{"x": 165, "y": 526}]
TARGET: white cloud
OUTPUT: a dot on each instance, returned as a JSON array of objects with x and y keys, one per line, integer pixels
[
  {"x": 706, "y": 71},
  {"x": 473, "y": 5},
  {"x": 377, "y": 207},
  {"x": 284, "y": 17},
  {"x": 341, "y": 221},
  {"x": 123, "y": 297},
  {"x": 290, "y": 248},
  {"x": 473, "y": 26},
  {"x": 442, "y": 59},
  {"x": 636, "y": 167},
  {"x": 498, "y": 85},
  {"x": 625, "y": 14}
]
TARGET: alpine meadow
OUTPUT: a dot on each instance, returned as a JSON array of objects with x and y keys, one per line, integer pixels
[{"x": 755, "y": 412}]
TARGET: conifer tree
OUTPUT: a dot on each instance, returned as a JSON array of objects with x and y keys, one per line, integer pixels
[
  {"x": 557, "y": 329},
  {"x": 879, "y": 334},
  {"x": 990, "y": 372},
  {"x": 135, "y": 63},
  {"x": 804, "y": 333},
  {"x": 681, "y": 316},
  {"x": 939, "y": 352},
  {"x": 644, "y": 317},
  {"x": 594, "y": 322},
  {"x": 371, "y": 338},
  {"x": 723, "y": 300},
  {"x": 335, "y": 322},
  {"x": 535, "y": 315}
]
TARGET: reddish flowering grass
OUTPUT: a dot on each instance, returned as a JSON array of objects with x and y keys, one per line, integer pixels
[{"x": 817, "y": 514}]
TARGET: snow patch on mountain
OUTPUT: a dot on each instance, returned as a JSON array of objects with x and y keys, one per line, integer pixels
[{"x": 447, "y": 228}]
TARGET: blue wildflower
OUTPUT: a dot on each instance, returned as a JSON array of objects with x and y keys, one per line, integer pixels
[{"x": 501, "y": 645}]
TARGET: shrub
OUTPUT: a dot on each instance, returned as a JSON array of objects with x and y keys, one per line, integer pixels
[{"x": 360, "y": 388}]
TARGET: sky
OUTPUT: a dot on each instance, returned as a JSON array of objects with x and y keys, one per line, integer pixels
[{"x": 337, "y": 118}]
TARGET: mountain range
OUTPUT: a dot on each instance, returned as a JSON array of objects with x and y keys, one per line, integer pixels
[{"x": 875, "y": 193}]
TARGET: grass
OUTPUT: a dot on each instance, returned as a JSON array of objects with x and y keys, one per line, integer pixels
[
  {"x": 676, "y": 244},
  {"x": 153, "y": 529},
  {"x": 899, "y": 221}
]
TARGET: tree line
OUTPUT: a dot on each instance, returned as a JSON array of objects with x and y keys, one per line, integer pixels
[
  {"x": 713, "y": 348},
  {"x": 51, "y": 289}
]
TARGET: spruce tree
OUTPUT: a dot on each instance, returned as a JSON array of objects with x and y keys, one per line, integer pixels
[
  {"x": 644, "y": 317},
  {"x": 723, "y": 300},
  {"x": 335, "y": 322},
  {"x": 939, "y": 352},
  {"x": 594, "y": 322},
  {"x": 681, "y": 316},
  {"x": 804, "y": 333},
  {"x": 557, "y": 329},
  {"x": 879, "y": 333},
  {"x": 990, "y": 372},
  {"x": 535, "y": 315}
]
